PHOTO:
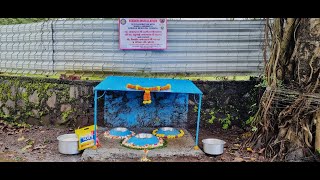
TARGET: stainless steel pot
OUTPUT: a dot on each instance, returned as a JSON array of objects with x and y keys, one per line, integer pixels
[
  {"x": 68, "y": 144},
  {"x": 213, "y": 146}
]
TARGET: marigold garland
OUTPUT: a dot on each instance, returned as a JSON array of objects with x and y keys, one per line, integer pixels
[
  {"x": 107, "y": 135},
  {"x": 161, "y": 143},
  {"x": 147, "y": 90},
  {"x": 154, "y": 132}
]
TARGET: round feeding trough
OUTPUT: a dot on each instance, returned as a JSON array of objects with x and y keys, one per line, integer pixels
[
  {"x": 118, "y": 133},
  {"x": 143, "y": 141},
  {"x": 168, "y": 132}
]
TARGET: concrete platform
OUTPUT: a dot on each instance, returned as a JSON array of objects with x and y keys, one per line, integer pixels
[{"x": 112, "y": 150}]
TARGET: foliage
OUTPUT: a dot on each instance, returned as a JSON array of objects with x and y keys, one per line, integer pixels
[
  {"x": 7, "y": 21},
  {"x": 226, "y": 122}
]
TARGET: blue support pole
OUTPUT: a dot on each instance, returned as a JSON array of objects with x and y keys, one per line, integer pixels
[
  {"x": 95, "y": 115},
  {"x": 198, "y": 121}
]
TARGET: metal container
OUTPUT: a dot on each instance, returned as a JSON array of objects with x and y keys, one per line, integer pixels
[
  {"x": 213, "y": 146},
  {"x": 144, "y": 136},
  {"x": 121, "y": 129},
  {"x": 167, "y": 129},
  {"x": 68, "y": 144}
]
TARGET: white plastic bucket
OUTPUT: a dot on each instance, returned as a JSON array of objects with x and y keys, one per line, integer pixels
[
  {"x": 68, "y": 144},
  {"x": 213, "y": 146}
]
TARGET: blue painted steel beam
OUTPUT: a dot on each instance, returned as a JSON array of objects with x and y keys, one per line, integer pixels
[
  {"x": 95, "y": 115},
  {"x": 119, "y": 83},
  {"x": 198, "y": 121}
]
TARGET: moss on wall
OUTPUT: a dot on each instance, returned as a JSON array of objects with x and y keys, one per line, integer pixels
[
  {"x": 40, "y": 101},
  {"x": 45, "y": 101},
  {"x": 226, "y": 103}
]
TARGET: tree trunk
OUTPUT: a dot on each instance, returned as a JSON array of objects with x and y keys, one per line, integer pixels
[
  {"x": 317, "y": 138},
  {"x": 285, "y": 118}
]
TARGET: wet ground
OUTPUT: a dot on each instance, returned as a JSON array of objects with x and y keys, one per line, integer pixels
[{"x": 38, "y": 144}]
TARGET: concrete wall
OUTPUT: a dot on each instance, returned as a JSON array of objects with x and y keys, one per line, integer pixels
[{"x": 70, "y": 103}]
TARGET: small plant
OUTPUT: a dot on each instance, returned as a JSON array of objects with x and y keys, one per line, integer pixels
[
  {"x": 213, "y": 117},
  {"x": 195, "y": 109},
  {"x": 250, "y": 120},
  {"x": 263, "y": 83},
  {"x": 254, "y": 128},
  {"x": 226, "y": 122}
]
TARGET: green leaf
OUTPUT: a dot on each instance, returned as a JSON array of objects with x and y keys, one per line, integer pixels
[
  {"x": 254, "y": 128},
  {"x": 225, "y": 126}
]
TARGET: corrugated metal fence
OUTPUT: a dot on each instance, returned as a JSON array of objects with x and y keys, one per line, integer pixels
[{"x": 220, "y": 47}]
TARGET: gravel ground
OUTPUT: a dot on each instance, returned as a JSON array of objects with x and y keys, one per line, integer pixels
[{"x": 40, "y": 144}]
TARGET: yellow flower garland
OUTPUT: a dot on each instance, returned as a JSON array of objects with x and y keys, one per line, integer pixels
[
  {"x": 108, "y": 135},
  {"x": 154, "y": 132},
  {"x": 147, "y": 146}
]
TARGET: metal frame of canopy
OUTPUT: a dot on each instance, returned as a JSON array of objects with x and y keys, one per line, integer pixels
[{"x": 118, "y": 83}]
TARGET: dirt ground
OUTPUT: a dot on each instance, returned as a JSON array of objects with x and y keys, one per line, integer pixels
[{"x": 40, "y": 144}]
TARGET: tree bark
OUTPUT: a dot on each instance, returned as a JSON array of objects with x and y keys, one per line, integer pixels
[
  {"x": 317, "y": 138},
  {"x": 285, "y": 118}
]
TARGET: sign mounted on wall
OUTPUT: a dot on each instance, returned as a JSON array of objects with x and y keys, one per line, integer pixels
[{"x": 143, "y": 33}]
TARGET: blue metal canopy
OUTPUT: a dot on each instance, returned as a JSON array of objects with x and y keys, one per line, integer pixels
[{"x": 119, "y": 83}]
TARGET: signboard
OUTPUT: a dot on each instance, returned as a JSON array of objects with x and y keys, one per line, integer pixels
[{"x": 143, "y": 33}]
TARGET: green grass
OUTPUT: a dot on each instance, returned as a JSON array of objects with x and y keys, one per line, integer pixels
[{"x": 100, "y": 76}]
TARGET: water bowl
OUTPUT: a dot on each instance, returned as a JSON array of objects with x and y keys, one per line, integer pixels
[{"x": 213, "y": 146}]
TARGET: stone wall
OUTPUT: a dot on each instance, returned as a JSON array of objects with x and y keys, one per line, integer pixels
[
  {"x": 70, "y": 103},
  {"x": 46, "y": 101},
  {"x": 225, "y": 103}
]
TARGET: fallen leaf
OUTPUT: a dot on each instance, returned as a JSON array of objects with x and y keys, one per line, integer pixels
[
  {"x": 235, "y": 147},
  {"x": 39, "y": 147},
  {"x": 26, "y": 147},
  {"x": 21, "y": 139},
  {"x": 249, "y": 149},
  {"x": 253, "y": 159},
  {"x": 238, "y": 159},
  {"x": 261, "y": 151},
  {"x": 237, "y": 154},
  {"x": 246, "y": 135},
  {"x": 42, "y": 131},
  {"x": 30, "y": 142}
]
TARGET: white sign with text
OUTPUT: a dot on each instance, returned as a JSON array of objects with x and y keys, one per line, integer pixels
[{"x": 143, "y": 33}]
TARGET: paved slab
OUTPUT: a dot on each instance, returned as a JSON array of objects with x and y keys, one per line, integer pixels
[{"x": 112, "y": 150}]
